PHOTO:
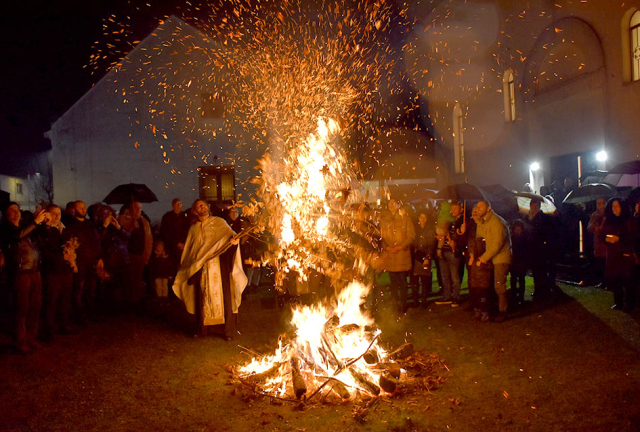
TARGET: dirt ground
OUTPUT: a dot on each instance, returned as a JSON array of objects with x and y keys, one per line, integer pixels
[{"x": 572, "y": 366}]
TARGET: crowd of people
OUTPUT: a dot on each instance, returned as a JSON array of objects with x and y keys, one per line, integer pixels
[
  {"x": 452, "y": 241},
  {"x": 62, "y": 267}
]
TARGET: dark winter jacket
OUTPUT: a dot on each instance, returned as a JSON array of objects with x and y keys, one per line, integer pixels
[
  {"x": 52, "y": 242},
  {"x": 20, "y": 247},
  {"x": 162, "y": 267},
  {"x": 459, "y": 240},
  {"x": 519, "y": 250},
  {"x": 114, "y": 248},
  {"x": 620, "y": 255},
  {"x": 174, "y": 229},
  {"x": 478, "y": 276},
  {"x": 89, "y": 250},
  {"x": 424, "y": 245},
  {"x": 540, "y": 238}
]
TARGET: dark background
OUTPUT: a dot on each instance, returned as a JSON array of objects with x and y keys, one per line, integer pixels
[{"x": 45, "y": 52}]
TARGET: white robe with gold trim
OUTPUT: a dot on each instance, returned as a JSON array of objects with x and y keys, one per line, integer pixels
[{"x": 205, "y": 239}]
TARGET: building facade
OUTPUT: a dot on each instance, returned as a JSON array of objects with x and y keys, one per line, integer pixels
[
  {"x": 153, "y": 119},
  {"x": 513, "y": 83}
]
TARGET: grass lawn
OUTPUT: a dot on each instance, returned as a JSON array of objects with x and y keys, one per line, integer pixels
[{"x": 574, "y": 365}]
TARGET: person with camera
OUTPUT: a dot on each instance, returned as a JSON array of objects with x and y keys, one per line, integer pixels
[
  {"x": 57, "y": 274},
  {"x": 89, "y": 254},
  {"x": 23, "y": 266}
]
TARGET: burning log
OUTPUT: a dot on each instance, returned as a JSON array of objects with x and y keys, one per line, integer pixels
[
  {"x": 272, "y": 372},
  {"x": 371, "y": 357},
  {"x": 331, "y": 324},
  {"x": 299, "y": 386},
  {"x": 393, "y": 369},
  {"x": 404, "y": 351},
  {"x": 340, "y": 389},
  {"x": 387, "y": 384},
  {"x": 334, "y": 357},
  {"x": 349, "y": 328},
  {"x": 365, "y": 383}
]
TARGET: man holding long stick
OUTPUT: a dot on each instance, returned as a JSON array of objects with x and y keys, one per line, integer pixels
[{"x": 211, "y": 280}]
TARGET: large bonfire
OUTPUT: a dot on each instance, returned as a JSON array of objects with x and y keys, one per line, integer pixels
[{"x": 302, "y": 78}]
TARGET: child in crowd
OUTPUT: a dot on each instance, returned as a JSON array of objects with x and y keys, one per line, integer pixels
[{"x": 161, "y": 271}]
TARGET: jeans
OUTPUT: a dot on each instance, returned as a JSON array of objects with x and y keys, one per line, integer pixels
[
  {"x": 84, "y": 291},
  {"x": 57, "y": 300},
  {"x": 517, "y": 286},
  {"x": 398, "y": 287},
  {"x": 162, "y": 287},
  {"x": 450, "y": 267}
]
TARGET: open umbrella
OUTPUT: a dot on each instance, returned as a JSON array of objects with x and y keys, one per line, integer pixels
[
  {"x": 624, "y": 175},
  {"x": 502, "y": 201},
  {"x": 591, "y": 177},
  {"x": 461, "y": 192},
  {"x": 524, "y": 198},
  {"x": 589, "y": 193},
  {"x": 126, "y": 193}
]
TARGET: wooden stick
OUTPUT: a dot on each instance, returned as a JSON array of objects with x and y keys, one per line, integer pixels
[
  {"x": 365, "y": 383},
  {"x": 299, "y": 386},
  {"x": 258, "y": 392}
]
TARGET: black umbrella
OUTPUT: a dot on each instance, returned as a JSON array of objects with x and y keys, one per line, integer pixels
[
  {"x": 590, "y": 193},
  {"x": 624, "y": 175},
  {"x": 126, "y": 193},
  {"x": 632, "y": 167},
  {"x": 593, "y": 177},
  {"x": 524, "y": 201},
  {"x": 502, "y": 200},
  {"x": 461, "y": 192}
]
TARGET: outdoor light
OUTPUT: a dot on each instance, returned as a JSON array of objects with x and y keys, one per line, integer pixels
[
  {"x": 534, "y": 166},
  {"x": 601, "y": 156}
]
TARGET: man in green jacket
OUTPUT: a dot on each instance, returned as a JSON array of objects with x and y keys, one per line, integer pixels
[{"x": 493, "y": 229}]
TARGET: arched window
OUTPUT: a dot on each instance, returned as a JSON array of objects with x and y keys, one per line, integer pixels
[
  {"x": 634, "y": 29},
  {"x": 631, "y": 45},
  {"x": 509, "y": 91},
  {"x": 458, "y": 138}
]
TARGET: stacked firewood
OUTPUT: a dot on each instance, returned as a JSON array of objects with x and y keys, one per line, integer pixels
[{"x": 401, "y": 371}]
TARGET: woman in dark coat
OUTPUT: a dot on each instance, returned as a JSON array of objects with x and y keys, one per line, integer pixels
[
  {"x": 115, "y": 255},
  {"x": 424, "y": 247},
  {"x": 617, "y": 233}
]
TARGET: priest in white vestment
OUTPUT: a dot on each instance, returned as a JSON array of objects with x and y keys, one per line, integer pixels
[{"x": 209, "y": 283}]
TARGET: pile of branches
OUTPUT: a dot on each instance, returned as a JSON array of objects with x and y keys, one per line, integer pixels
[{"x": 404, "y": 371}]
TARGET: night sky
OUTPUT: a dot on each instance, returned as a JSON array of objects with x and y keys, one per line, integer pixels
[{"x": 45, "y": 46}]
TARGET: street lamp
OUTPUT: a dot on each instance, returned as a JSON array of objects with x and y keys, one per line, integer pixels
[
  {"x": 534, "y": 166},
  {"x": 602, "y": 156}
]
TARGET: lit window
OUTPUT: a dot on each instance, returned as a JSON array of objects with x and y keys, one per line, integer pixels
[
  {"x": 217, "y": 183},
  {"x": 509, "y": 91},
  {"x": 634, "y": 28},
  {"x": 18, "y": 188},
  {"x": 458, "y": 138}
]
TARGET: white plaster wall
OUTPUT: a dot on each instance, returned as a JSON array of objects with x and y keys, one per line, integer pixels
[{"x": 103, "y": 141}]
